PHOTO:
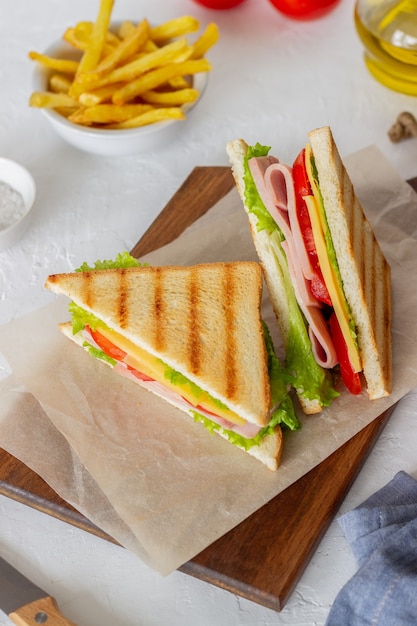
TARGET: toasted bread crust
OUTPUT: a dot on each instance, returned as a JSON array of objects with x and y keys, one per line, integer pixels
[{"x": 364, "y": 270}]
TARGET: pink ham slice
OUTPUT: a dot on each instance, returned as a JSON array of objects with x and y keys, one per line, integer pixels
[
  {"x": 247, "y": 430},
  {"x": 275, "y": 186}
]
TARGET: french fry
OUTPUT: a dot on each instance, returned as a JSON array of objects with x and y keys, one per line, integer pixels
[
  {"x": 158, "y": 77},
  {"x": 94, "y": 50},
  {"x": 137, "y": 76},
  {"x": 123, "y": 51},
  {"x": 108, "y": 113},
  {"x": 177, "y": 97},
  {"x": 205, "y": 41},
  {"x": 79, "y": 37},
  {"x": 130, "y": 71},
  {"x": 84, "y": 30},
  {"x": 125, "y": 29},
  {"x": 150, "y": 46},
  {"x": 151, "y": 117},
  {"x": 100, "y": 95},
  {"x": 59, "y": 83},
  {"x": 72, "y": 37},
  {"x": 65, "y": 111},
  {"x": 179, "y": 82},
  {"x": 67, "y": 66},
  {"x": 159, "y": 57},
  {"x": 41, "y": 99},
  {"x": 177, "y": 27}
]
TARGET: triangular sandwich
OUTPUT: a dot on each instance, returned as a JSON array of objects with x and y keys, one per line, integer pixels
[
  {"x": 192, "y": 335},
  {"x": 328, "y": 279}
]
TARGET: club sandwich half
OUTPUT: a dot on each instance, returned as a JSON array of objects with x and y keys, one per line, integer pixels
[
  {"x": 193, "y": 336},
  {"x": 328, "y": 279}
]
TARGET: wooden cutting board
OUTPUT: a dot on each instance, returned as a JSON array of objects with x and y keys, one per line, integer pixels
[{"x": 263, "y": 558}]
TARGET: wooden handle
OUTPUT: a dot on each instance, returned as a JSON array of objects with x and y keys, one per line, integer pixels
[{"x": 43, "y": 611}]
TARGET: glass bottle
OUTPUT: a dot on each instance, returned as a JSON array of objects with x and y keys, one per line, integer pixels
[{"x": 388, "y": 31}]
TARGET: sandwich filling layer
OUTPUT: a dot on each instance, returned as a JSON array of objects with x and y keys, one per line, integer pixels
[
  {"x": 154, "y": 375},
  {"x": 293, "y": 213},
  {"x": 270, "y": 197}
]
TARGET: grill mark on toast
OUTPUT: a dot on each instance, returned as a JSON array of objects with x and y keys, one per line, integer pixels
[
  {"x": 194, "y": 345},
  {"x": 88, "y": 293},
  {"x": 123, "y": 308},
  {"x": 231, "y": 348},
  {"x": 159, "y": 311}
]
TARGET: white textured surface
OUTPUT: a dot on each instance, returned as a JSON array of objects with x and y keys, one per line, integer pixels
[{"x": 273, "y": 80}]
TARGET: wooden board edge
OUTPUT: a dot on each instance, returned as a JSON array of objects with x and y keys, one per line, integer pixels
[{"x": 170, "y": 224}]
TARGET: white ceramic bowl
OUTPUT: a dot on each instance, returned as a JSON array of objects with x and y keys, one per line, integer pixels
[
  {"x": 19, "y": 179},
  {"x": 109, "y": 142}
]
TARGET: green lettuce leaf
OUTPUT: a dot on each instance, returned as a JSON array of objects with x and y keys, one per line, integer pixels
[
  {"x": 252, "y": 197},
  {"x": 284, "y": 416},
  {"x": 99, "y": 354},
  {"x": 176, "y": 378},
  {"x": 279, "y": 381},
  {"x": 122, "y": 260}
]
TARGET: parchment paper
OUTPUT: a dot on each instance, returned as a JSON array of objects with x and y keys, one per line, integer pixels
[{"x": 141, "y": 470}]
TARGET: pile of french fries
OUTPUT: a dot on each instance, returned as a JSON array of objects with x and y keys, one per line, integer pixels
[{"x": 137, "y": 76}]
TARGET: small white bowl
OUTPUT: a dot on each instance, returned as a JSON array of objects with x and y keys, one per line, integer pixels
[
  {"x": 19, "y": 179},
  {"x": 108, "y": 142}
]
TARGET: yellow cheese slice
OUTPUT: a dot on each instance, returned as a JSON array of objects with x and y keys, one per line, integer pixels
[
  {"x": 333, "y": 285},
  {"x": 153, "y": 367}
]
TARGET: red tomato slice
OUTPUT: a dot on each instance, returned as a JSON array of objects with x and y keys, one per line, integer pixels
[
  {"x": 114, "y": 352},
  {"x": 107, "y": 346},
  {"x": 304, "y": 9},
  {"x": 303, "y": 188},
  {"x": 138, "y": 374},
  {"x": 350, "y": 377}
]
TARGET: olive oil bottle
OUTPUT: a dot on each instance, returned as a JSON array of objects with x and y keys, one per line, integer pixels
[{"x": 388, "y": 31}]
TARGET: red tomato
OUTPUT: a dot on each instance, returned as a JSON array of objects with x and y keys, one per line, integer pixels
[
  {"x": 303, "y": 188},
  {"x": 107, "y": 346},
  {"x": 114, "y": 352},
  {"x": 350, "y": 377},
  {"x": 304, "y": 9},
  {"x": 219, "y": 4}
]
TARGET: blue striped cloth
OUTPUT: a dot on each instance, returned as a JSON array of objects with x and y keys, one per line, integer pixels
[{"x": 382, "y": 533}]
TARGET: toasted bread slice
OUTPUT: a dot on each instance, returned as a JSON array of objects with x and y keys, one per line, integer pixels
[
  {"x": 364, "y": 270},
  {"x": 237, "y": 151},
  {"x": 203, "y": 321}
]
